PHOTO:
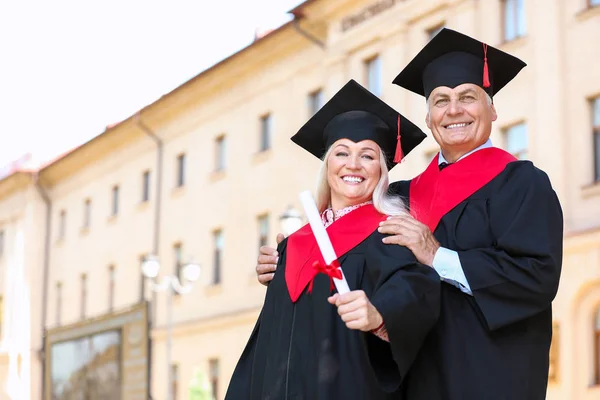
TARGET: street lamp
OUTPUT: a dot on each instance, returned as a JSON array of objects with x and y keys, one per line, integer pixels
[
  {"x": 291, "y": 220},
  {"x": 170, "y": 284}
]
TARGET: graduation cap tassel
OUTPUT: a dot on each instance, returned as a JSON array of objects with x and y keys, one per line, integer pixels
[
  {"x": 486, "y": 74},
  {"x": 398, "y": 155}
]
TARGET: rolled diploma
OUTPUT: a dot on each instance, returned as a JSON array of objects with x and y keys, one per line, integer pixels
[{"x": 310, "y": 208}]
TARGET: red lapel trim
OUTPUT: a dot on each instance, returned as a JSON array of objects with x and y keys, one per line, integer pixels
[
  {"x": 345, "y": 234},
  {"x": 434, "y": 193}
]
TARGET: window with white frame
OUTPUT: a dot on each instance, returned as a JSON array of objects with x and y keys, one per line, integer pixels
[
  {"x": 596, "y": 136},
  {"x": 219, "y": 243},
  {"x": 220, "y": 151},
  {"x": 315, "y": 101},
  {"x": 58, "y": 310},
  {"x": 263, "y": 230},
  {"x": 111, "y": 286},
  {"x": 180, "y": 170},
  {"x": 178, "y": 261},
  {"x": 513, "y": 19},
  {"x": 175, "y": 381},
  {"x": 265, "y": 132},
  {"x": 145, "y": 186},
  {"x": 373, "y": 71},
  {"x": 213, "y": 371},
  {"x": 115, "y": 201},
  {"x": 142, "y": 279},
  {"x": 84, "y": 295},
  {"x": 62, "y": 224},
  {"x": 87, "y": 213},
  {"x": 516, "y": 141}
]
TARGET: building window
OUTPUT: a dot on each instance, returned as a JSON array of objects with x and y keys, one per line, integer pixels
[
  {"x": 315, "y": 101},
  {"x": 593, "y": 3},
  {"x": 220, "y": 153},
  {"x": 111, "y": 287},
  {"x": 514, "y": 19},
  {"x": 115, "y": 200},
  {"x": 180, "y": 170},
  {"x": 1, "y": 314},
  {"x": 178, "y": 265},
  {"x": 597, "y": 347},
  {"x": 87, "y": 213},
  {"x": 516, "y": 141},
  {"x": 596, "y": 138},
  {"x": 431, "y": 32},
  {"x": 373, "y": 70},
  {"x": 2, "y": 242},
  {"x": 213, "y": 372},
  {"x": 142, "y": 280},
  {"x": 83, "y": 295},
  {"x": 62, "y": 224},
  {"x": 265, "y": 132},
  {"x": 58, "y": 302},
  {"x": 263, "y": 230},
  {"x": 174, "y": 381},
  {"x": 554, "y": 353},
  {"x": 146, "y": 186},
  {"x": 218, "y": 256}
]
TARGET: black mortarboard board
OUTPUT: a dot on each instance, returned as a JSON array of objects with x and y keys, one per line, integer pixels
[
  {"x": 452, "y": 58},
  {"x": 357, "y": 114}
]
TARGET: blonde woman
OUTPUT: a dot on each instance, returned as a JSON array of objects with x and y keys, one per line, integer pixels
[{"x": 310, "y": 342}]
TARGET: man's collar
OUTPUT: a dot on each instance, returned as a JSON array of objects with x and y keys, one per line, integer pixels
[{"x": 487, "y": 144}]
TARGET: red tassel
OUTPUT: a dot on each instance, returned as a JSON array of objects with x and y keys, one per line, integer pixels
[
  {"x": 398, "y": 156},
  {"x": 486, "y": 74}
]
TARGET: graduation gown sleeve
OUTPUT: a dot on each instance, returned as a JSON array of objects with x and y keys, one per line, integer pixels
[
  {"x": 407, "y": 295},
  {"x": 517, "y": 277}
]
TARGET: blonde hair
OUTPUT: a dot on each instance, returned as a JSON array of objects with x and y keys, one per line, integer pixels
[{"x": 382, "y": 200}]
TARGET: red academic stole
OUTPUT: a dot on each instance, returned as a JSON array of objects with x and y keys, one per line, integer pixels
[
  {"x": 345, "y": 234},
  {"x": 434, "y": 193}
]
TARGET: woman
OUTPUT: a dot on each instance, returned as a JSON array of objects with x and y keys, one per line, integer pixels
[{"x": 307, "y": 343}]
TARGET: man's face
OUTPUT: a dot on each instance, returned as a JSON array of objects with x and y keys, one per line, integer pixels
[{"x": 460, "y": 119}]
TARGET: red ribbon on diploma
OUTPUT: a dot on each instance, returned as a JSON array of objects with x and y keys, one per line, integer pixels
[{"x": 332, "y": 271}]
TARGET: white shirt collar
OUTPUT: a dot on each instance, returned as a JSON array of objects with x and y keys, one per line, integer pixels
[{"x": 487, "y": 144}]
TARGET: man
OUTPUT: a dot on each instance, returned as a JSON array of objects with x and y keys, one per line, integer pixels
[{"x": 497, "y": 234}]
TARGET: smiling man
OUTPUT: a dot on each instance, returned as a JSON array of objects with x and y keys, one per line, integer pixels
[{"x": 497, "y": 234}]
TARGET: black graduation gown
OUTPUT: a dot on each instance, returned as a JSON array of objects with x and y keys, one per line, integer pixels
[
  {"x": 304, "y": 351},
  {"x": 495, "y": 344}
]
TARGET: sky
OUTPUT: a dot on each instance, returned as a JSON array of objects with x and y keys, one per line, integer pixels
[{"x": 70, "y": 68}]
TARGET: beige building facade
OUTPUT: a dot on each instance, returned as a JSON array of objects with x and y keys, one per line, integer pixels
[{"x": 205, "y": 172}]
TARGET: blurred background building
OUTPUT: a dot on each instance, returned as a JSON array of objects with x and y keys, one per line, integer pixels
[{"x": 207, "y": 171}]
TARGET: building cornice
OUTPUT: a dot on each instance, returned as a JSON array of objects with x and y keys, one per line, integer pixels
[{"x": 15, "y": 182}]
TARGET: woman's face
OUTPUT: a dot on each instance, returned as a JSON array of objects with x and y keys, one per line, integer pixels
[{"x": 353, "y": 171}]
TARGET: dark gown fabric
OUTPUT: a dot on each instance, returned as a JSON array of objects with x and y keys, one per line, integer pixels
[
  {"x": 494, "y": 345},
  {"x": 304, "y": 351}
]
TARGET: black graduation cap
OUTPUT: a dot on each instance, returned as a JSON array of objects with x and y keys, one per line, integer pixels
[
  {"x": 357, "y": 114},
  {"x": 452, "y": 58}
]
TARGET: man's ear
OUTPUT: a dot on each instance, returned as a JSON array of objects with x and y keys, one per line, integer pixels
[
  {"x": 428, "y": 120},
  {"x": 494, "y": 113}
]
